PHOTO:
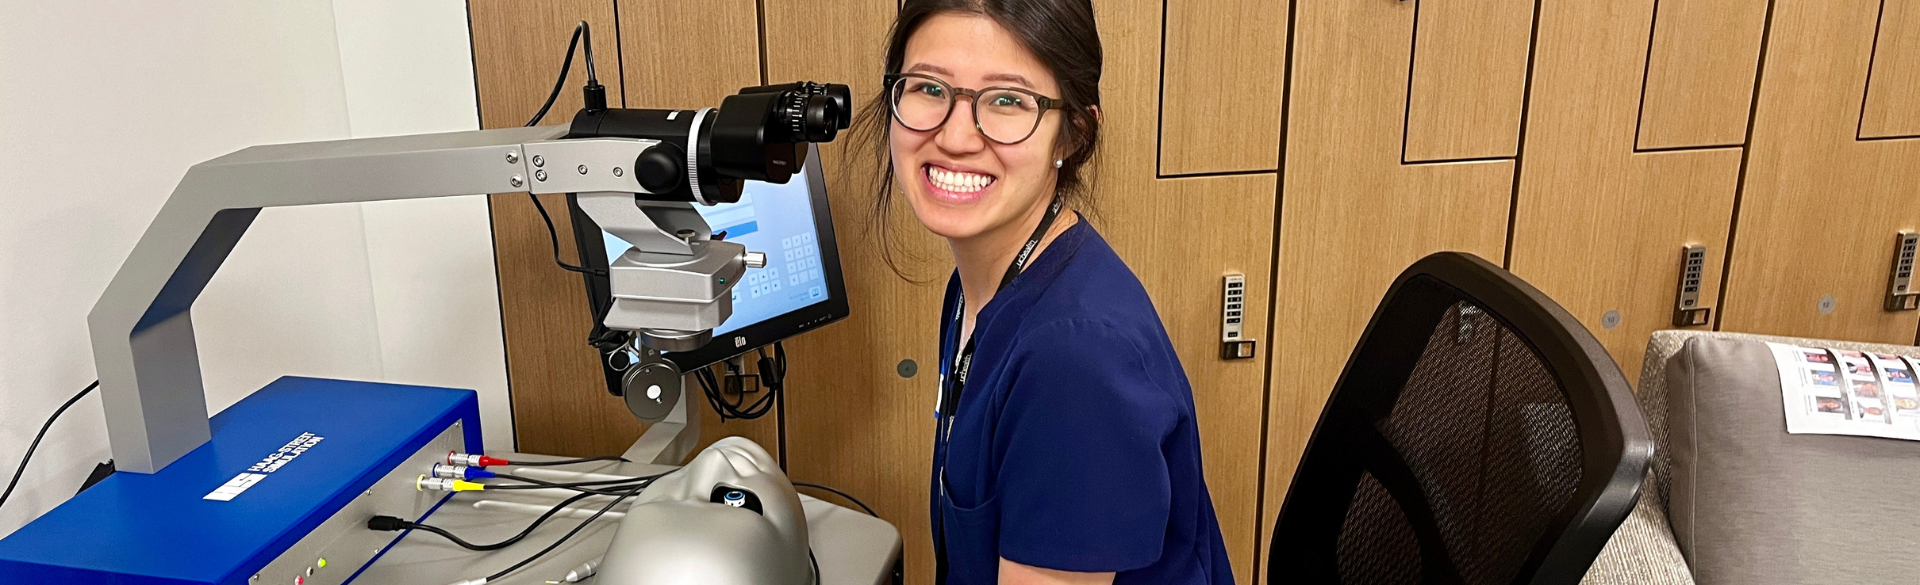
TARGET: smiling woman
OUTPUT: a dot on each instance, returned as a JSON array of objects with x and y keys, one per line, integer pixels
[
  {"x": 1042, "y": 107},
  {"x": 1066, "y": 446}
]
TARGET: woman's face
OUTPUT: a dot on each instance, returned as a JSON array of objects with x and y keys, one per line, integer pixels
[{"x": 961, "y": 184}]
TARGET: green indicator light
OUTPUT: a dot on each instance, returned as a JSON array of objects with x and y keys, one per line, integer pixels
[
  {"x": 323, "y": 563},
  {"x": 723, "y": 281}
]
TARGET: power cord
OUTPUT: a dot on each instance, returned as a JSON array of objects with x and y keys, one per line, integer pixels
[
  {"x": 42, "y": 434},
  {"x": 596, "y": 100}
]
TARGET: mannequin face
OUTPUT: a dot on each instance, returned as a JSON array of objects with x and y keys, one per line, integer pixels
[{"x": 961, "y": 184}]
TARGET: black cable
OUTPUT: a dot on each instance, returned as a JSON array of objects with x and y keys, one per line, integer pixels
[
  {"x": 566, "y": 67},
  {"x": 730, "y": 410},
  {"x": 759, "y": 408},
  {"x": 553, "y": 241},
  {"x": 464, "y": 544},
  {"x": 589, "y": 483},
  {"x": 856, "y": 501},
  {"x": 42, "y": 434},
  {"x": 816, "y": 565},
  {"x": 736, "y": 382},
  {"x": 582, "y": 487},
  {"x": 710, "y": 387},
  {"x": 584, "y": 490},
  {"x": 391, "y": 523},
  {"x": 586, "y": 36},
  {"x": 569, "y": 534},
  {"x": 579, "y": 31},
  {"x": 517, "y": 537},
  {"x": 567, "y": 461},
  {"x": 772, "y": 375}
]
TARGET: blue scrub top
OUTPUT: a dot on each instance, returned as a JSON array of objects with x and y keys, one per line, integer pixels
[{"x": 1074, "y": 446}]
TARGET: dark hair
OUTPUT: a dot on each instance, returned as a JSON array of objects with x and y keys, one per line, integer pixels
[{"x": 1060, "y": 33}]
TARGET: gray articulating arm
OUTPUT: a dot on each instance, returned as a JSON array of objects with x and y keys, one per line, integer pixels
[{"x": 142, "y": 327}]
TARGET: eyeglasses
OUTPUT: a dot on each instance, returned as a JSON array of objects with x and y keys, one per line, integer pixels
[{"x": 1006, "y": 115}]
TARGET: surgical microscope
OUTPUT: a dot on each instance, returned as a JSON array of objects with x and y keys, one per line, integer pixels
[{"x": 305, "y": 481}]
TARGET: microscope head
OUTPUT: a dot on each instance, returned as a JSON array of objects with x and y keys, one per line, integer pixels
[{"x": 673, "y": 286}]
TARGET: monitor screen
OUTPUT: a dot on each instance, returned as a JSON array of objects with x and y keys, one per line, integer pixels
[{"x": 799, "y": 289}]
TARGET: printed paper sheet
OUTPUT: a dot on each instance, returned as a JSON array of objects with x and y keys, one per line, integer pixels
[{"x": 1836, "y": 392}]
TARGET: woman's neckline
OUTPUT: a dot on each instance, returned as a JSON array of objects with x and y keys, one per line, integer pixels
[{"x": 969, "y": 320}]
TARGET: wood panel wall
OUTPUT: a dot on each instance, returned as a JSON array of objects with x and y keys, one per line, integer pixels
[
  {"x": 1599, "y": 225},
  {"x": 1700, "y": 65},
  {"x": 1890, "y": 111},
  {"x": 1469, "y": 78},
  {"x": 1219, "y": 87},
  {"x": 1814, "y": 233},
  {"x": 1317, "y": 146}
]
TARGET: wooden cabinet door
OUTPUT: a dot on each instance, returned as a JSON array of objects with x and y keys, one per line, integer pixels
[
  {"x": 1814, "y": 236},
  {"x": 1600, "y": 224}
]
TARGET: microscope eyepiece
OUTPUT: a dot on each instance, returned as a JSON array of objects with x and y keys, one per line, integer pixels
[{"x": 758, "y": 134}]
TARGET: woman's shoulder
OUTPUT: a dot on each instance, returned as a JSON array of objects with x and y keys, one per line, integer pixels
[
  {"x": 1095, "y": 286},
  {"x": 1084, "y": 360}
]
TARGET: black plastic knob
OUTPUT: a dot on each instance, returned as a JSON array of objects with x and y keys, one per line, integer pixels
[{"x": 661, "y": 168}]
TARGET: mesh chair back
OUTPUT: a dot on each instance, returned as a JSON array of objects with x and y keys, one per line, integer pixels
[{"x": 1479, "y": 435}]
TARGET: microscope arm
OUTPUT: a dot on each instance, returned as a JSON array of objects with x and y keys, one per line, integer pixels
[{"x": 142, "y": 326}]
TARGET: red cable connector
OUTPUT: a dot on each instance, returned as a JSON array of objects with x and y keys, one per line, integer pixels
[{"x": 474, "y": 460}]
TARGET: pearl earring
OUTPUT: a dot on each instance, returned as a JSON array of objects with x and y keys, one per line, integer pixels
[{"x": 1057, "y": 163}]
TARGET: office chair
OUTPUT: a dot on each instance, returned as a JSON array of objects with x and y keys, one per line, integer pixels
[{"x": 1478, "y": 435}]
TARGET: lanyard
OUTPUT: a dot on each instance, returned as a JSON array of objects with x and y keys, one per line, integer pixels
[{"x": 957, "y": 379}]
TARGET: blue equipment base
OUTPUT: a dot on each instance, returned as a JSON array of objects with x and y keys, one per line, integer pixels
[{"x": 162, "y": 528}]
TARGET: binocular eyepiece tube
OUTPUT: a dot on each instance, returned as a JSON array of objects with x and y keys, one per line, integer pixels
[{"x": 758, "y": 134}]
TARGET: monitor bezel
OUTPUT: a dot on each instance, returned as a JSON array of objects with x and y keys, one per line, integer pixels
[{"x": 593, "y": 255}]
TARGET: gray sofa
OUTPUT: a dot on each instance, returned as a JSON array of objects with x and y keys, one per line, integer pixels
[{"x": 1731, "y": 498}]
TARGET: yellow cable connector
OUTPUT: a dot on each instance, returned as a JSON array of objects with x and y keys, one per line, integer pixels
[{"x": 446, "y": 484}]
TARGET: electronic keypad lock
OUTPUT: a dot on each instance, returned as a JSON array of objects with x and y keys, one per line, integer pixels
[
  {"x": 1234, "y": 343},
  {"x": 1902, "y": 295},
  {"x": 1687, "y": 311}
]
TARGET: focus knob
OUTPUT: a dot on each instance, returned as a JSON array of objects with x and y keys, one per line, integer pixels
[
  {"x": 755, "y": 259},
  {"x": 661, "y": 168}
]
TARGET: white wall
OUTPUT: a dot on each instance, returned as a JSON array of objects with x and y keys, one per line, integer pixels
[
  {"x": 408, "y": 69},
  {"x": 104, "y": 105}
]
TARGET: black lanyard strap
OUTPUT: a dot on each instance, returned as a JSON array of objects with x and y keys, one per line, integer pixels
[
  {"x": 964, "y": 364},
  {"x": 950, "y": 396}
]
